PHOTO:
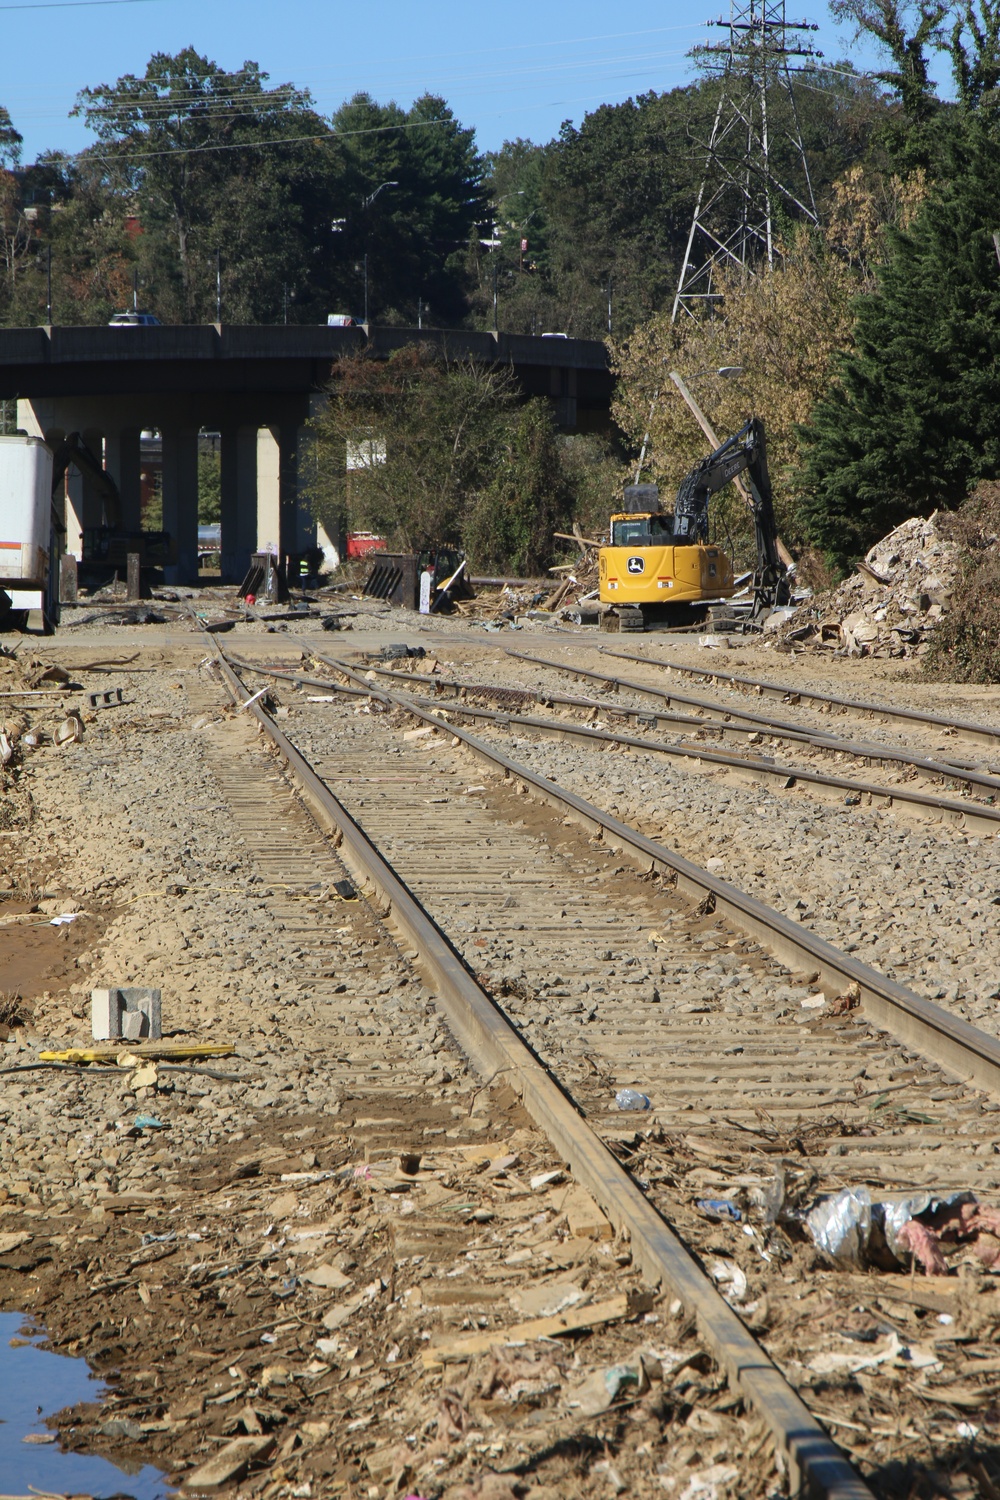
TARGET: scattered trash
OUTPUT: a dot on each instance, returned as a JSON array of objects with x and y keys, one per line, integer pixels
[
  {"x": 632, "y": 1099},
  {"x": 108, "y": 698},
  {"x": 69, "y": 732},
  {"x": 66, "y": 918},
  {"x": 849, "y": 1000},
  {"x": 256, "y": 696},
  {"x": 230, "y": 1463},
  {"x": 599, "y": 1390},
  {"x": 852, "y": 1230},
  {"x": 719, "y": 1208},
  {"x": 708, "y": 1483},
  {"x": 547, "y": 1179},
  {"x": 911, "y": 1356},
  {"x": 149, "y": 1122},
  {"x": 730, "y": 1279},
  {"x": 144, "y": 1076},
  {"x": 841, "y": 1226},
  {"x": 626, "y": 1305}
]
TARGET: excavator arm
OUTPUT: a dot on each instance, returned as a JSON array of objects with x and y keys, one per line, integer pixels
[{"x": 743, "y": 453}]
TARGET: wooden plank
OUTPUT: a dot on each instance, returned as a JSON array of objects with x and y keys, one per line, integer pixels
[{"x": 627, "y": 1305}]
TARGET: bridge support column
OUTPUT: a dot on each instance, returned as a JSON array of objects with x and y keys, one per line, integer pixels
[
  {"x": 84, "y": 501},
  {"x": 284, "y": 520},
  {"x": 297, "y": 528},
  {"x": 563, "y": 389},
  {"x": 123, "y": 463},
  {"x": 268, "y": 492},
  {"x": 180, "y": 501},
  {"x": 239, "y": 501}
]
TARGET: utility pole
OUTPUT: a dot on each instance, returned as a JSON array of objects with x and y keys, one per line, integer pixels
[
  {"x": 610, "y": 285},
  {"x": 48, "y": 287},
  {"x": 366, "y": 205},
  {"x": 218, "y": 286},
  {"x": 733, "y": 226}
]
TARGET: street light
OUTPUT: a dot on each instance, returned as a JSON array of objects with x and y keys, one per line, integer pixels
[
  {"x": 728, "y": 372},
  {"x": 495, "y": 245},
  {"x": 370, "y": 200},
  {"x": 366, "y": 205}
]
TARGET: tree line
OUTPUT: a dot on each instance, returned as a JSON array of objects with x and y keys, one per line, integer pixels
[
  {"x": 197, "y": 172},
  {"x": 870, "y": 347}
]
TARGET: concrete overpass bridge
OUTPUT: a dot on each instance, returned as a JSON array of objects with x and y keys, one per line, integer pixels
[{"x": 257, "y": 386}]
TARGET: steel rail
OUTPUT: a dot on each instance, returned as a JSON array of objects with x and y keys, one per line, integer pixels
[
  {"x": 784, "y": 729},
  {"x": 818, "y": 1468},
  {"x": 725, "y": 720},
  {"x": 954, "y": 1044},
  {"x": 971, "y": 816},
  {"x": 983, "y": 733},
  {"x": 974, "y": 817}
]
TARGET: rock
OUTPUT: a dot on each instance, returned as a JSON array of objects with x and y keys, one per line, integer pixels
[
  {"x": 231, "y": 1462},
  {"x": 326, "y": 1276}
]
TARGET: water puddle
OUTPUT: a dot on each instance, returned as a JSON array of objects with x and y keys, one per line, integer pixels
[{"x": 35, "y": 1384}]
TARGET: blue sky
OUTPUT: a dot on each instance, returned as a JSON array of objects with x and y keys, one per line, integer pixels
[{"x": 518, "y": 69}]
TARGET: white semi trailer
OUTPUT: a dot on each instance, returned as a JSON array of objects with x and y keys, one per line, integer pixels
[{"x": 26, "y": 535}]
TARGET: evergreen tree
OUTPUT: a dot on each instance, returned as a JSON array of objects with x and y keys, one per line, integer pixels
[{"x": 911, "y": 422}]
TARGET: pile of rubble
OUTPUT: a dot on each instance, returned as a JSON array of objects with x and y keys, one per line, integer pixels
[{"x": 893, "y": 603}]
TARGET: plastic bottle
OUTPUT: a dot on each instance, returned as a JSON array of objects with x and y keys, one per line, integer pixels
[{"x": 632, "y": 1099}]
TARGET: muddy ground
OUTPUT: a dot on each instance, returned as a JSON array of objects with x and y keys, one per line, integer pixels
[
  {"x": 272, "y": 1275},
  {"x": 269, "y": 1254}
]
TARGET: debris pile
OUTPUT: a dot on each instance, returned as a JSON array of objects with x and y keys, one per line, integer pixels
[
  {"x": 894, "y": 601},
  {"x": 579, "y": 581},
  {"x": 967, "y": 646}
]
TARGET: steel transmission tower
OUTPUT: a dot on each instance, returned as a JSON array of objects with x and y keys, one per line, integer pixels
[{"x": 740, "y": 189}]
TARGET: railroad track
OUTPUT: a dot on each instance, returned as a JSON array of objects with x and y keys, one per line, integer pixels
[
  {"x": 971, "y": 814},
  {"x": 980, "y": 734},
  {"x": 728, "y": 719},
  {"x": 593, "y": 979}
]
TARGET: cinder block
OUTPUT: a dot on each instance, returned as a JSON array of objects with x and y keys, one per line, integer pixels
[
  {"x": 134, "y": 1025},
  {"x": 130, "y": 1013},
  {"x": 105, "y": 1015},
  {"x": 148, "y": 1003}
]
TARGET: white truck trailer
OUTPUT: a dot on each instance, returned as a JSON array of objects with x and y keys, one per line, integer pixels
[{"x": 26, "y": 561}]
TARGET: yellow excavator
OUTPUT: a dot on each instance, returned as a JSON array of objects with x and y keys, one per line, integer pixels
[{"x": 657, "y": 561}]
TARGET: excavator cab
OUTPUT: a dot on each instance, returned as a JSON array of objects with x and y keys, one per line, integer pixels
[{"x": 648, "y": 565}]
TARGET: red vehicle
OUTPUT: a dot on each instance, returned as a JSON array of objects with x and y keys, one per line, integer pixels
[{"x": 361, "y": 543}]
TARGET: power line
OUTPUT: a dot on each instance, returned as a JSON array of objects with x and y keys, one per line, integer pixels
[
  {"x": 101, "y": 153},
  {"x": 73, "y": 4},
  {"x": 329, "y": 80},
  {"x": 209, "y": 107}
]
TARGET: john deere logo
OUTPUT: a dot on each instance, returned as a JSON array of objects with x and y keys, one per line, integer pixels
[{"x": 636, "y": 565}]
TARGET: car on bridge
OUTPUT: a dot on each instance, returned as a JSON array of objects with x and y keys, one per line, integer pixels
[{"x": 134, "y": 320}]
